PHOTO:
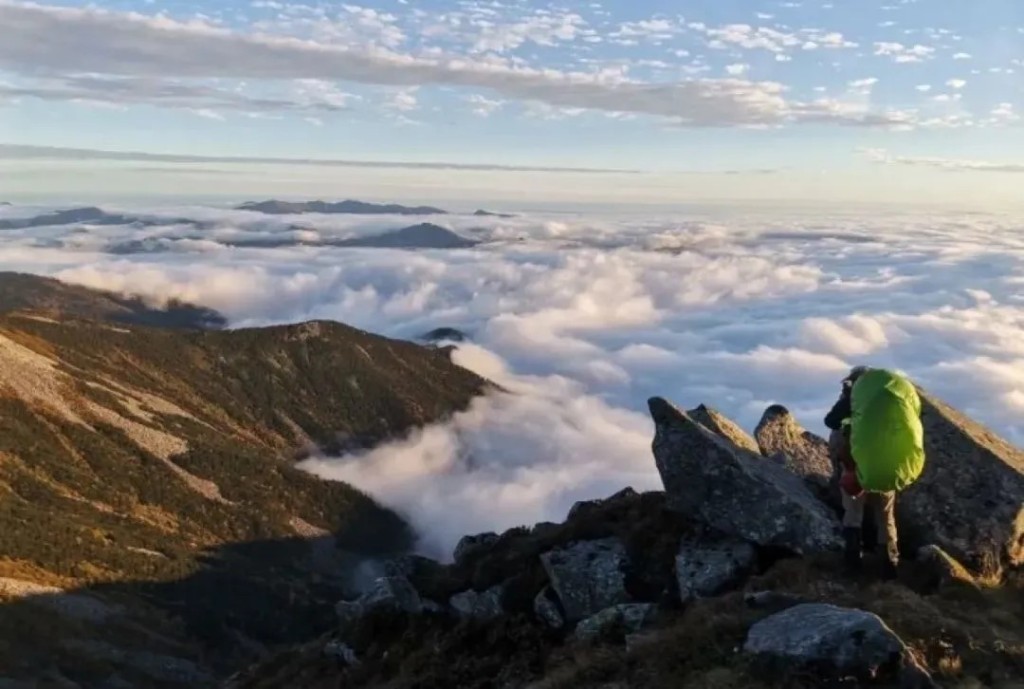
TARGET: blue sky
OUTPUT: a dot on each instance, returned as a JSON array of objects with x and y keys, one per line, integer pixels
[{"x": 929, "y": 88}]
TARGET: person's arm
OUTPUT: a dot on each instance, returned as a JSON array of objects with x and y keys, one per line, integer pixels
[{"x": 841, "y": 410}]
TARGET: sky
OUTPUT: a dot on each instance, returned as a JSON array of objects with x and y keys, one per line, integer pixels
[
  {"x": 583, "y": 317},
  {"x": 914, "y": 101}
]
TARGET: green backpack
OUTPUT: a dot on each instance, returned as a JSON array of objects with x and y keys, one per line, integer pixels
[{"x": 886, "y": 435}]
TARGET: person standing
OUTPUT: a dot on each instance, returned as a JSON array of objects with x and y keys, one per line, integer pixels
[{"x": 877, "y": 446}]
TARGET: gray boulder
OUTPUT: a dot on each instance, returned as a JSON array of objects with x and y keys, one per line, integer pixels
[
  {"x": 587, "y": 576},
  {"x": 970, "y": 498},
  {"x": 782, "y": 439},
  {"x": 735, "y": 490},
  {"x": 482, "y": 606},
  {"x": 394, "y": 593},
  {"x": 628, "y": 618},
  {"x": 722, "y": 425},
  {"x": 831, "y": 640},
  {"x": 709, "y": 570},
  {"x": 341, "y": 651},
  {"x": 546, "y": 608},
  {"x": 473, "y": 544}
]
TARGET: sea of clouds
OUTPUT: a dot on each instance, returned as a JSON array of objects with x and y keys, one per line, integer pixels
[{"x": 583, "y": 317}]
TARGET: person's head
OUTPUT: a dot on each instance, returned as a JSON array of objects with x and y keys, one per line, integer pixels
[{"x": 855, "y": 373}]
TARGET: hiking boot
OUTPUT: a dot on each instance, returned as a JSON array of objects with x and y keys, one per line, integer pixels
[
  {"x": 852, "y": 549},
  {"x": 890, "y": 570}
]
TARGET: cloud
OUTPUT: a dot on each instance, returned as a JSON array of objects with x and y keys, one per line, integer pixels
[
  {"x": 949, "y": 164},
  {"x": 591, "y": 314},
  {"x": 737, "y": 69},
  {"x": 901, "y": 53},
  {"x": 20, "y": 152},
  {"x": 956, "y": 83},
  {"x": 156, "y": 50},
  {"x": 484, "y": 106}
]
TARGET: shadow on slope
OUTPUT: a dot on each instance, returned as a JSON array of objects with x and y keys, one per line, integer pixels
[{"x": 242, "y": 602}]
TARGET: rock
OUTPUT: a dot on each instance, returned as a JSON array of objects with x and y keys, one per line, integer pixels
[
  {"x": 834, "y": 641},
  {"x": 781, "y": 438},
  {"x": 546, "y": 608},
  {"x": 341, "y": 651},
  {"x": 483, "y": 606},
  {"x": 587, "y": 576},
  {"x": 942, "y": 569},
  {"x": 707, "y": 571},
  {"x": 584, "y": 505},
  {"x": 468, "y": 545},
  {"x": 970, "y": 498},
  {"x": 735, "y": 490},
  {"x": 716, "y": 422},
  {"x": 441, "y": 334},
  {"x": 629, "y": 618},
  {"x": 395, "y": 593}
]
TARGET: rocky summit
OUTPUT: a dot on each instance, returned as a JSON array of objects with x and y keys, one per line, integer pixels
[{"x": 731, "y": 577}]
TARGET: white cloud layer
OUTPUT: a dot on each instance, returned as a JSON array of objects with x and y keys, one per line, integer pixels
[{"x": 584, "y": 317}]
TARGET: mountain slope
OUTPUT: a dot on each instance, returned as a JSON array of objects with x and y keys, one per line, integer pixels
[
  {"x": 49, "y": 298},
  {"x": 128, "y": 452}
]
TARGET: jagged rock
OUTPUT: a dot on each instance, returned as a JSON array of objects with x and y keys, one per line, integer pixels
[
  {"x": 970, "y": 499},
  {"x": 544, "y": 528},
  {"x": 395, "y": 593},
  {"x": 587, "y": 576},
  {"x": 716, "y": 422},
  {"x": 782, "y": 439},
  {"x": 470, "y": 544},
  {"x": 584, "y": 505},
  {"x": 707, "y": 571},
  {"x": 826, "y": 638},
  {"x": 630, "y": 618},
  {"x": 484, "y": 606},
  {"x": 341, "y": 651},
  {"x": 735, "y": 490},
  {"x": 546, "y": 609},
  {"x": 942, "y": 568}
]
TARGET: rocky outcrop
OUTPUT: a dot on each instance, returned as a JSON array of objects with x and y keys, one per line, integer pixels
[
  {"x": 735, "y": 490},
  {"x": 719, "y": 423},
  {"x": 481, "y": 606},
  {"x": 587, "y": 576},
  {"x": 782, "y": 439},
  {"x": 628, "y": 618},
  {"x": 970, "y": 497},
  {"x": 704, "y": 571},
  {"x": 391, "y": 593},
  {"x": 583, "y": 506},
  {"x": 545, "y": 607},
  {"x": 468, "y": 545},
  {"x": 832, "y": 640}
]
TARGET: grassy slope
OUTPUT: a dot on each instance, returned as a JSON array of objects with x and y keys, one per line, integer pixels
[{"x": 87, "y": 506}]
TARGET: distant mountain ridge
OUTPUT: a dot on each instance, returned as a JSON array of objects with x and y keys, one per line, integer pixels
[
  {"x": 276, "y": 207},
  {"x": 422, "y": 236},
  {"x": 90, "y": 215}
]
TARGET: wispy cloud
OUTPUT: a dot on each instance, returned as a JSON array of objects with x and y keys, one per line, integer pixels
[
  {"x": 153, "y": 50},
  {"x": 19, "y": 152},
  {"x": 950, "y": 164}
]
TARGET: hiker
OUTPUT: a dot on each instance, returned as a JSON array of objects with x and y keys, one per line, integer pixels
[{"x": 877, "y": 448}]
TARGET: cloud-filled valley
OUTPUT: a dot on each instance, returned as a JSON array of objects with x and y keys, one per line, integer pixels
[{"x": 582, "y": 318}]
